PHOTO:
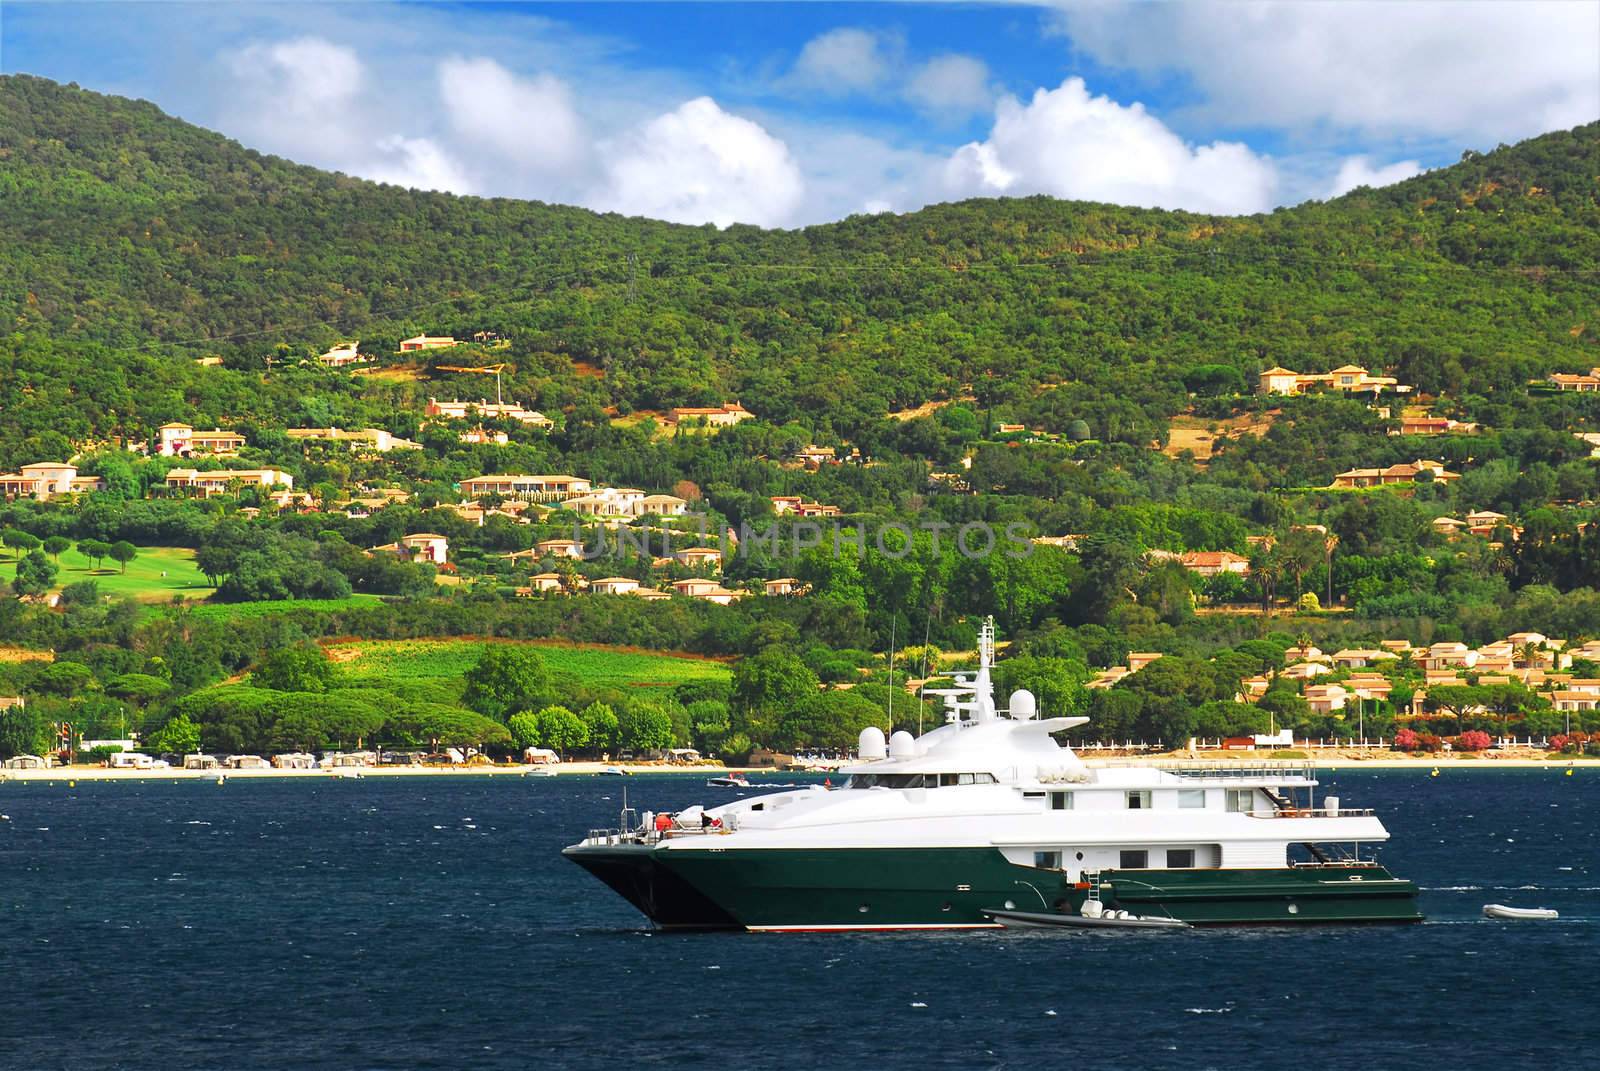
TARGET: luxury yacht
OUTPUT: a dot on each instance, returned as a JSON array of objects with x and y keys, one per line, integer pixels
[{"x": 988, "y": 812}]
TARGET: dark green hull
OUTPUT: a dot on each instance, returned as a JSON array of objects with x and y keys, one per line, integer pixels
[{"x": 907, "y": 888}]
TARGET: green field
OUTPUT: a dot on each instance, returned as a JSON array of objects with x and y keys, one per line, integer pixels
[
  {"x": 616, "y": 667},
  {"x": 156, "y": 575},
  {"x": 231, "y": 610}
]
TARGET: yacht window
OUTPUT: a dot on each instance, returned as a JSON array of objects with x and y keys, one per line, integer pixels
[
  {"x": 1191, "y": 798},
  {"x": 1047, "y": 860},
  {"x": 964, "y": 779},
  {"x": 1061, "y": 801},
  {"x": 1241, "y": 799},
  {"x": 984, "y": 779},
  {"x": 1132, "y": 859},
  {"x": 1180, "y": 858},
  {"x": 1033, "y": 795},
  {"x": 1139, "y": 799}
]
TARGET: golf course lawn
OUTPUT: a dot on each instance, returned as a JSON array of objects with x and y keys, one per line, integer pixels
[{"x": 156, "y": 575}]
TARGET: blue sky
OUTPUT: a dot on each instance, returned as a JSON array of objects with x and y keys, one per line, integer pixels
[{"x": 784, "y": 114}]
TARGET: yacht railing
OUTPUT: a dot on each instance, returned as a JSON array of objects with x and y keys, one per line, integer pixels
[
  {"x": 1314, "y": 812},
  {"x": 1214, "y": 771}
]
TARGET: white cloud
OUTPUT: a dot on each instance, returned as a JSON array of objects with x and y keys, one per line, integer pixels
[
  {"x": 843, "y": 61},
  {"x": 698, "y": 164},
  {"x": 418, "y": 163},
  {"x": 1482, "y": 69},
  {"x": 300, "y": 92},
  {"x": 529, "y": 121},
  {"x": 1359, "y": 171},
  {"x": 952, "y": 85},
  {"x": 1068, "y": 144}
]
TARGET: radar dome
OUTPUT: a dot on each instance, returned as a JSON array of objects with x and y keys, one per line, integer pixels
[
  {"x": 1023, "y": 705},
  {"x": 902, "y": 745},
  {"x": 870, "y": 744}
]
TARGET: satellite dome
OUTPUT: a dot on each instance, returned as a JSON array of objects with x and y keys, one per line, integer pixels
[
  {"x": 1023, "y": 705},
  {"x": 870, "y": 744},
  {"x": 902, "y": 745}
]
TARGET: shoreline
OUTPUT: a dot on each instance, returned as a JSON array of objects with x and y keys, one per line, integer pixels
[
  {"x": 565, "y": 769},
  {"x": 578, "y": 769}
]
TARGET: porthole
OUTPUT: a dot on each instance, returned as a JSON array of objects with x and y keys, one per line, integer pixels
[
  {"x": 1294, "y": 909},
  {"x": 1080, "y": 857},
  {"x": 1011, "y": 905},
  {"x": 945, "y": 906},
  {"x": 862, "y": 909}
]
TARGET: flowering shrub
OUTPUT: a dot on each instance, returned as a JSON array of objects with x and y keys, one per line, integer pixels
[
  {"x": 1411, "y": 740},
  {"x": 1473, "y": 740}
]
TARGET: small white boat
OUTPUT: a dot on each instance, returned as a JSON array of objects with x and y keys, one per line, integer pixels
[
  {"x": 1501, "y": 911},
  {"x": 613, "y": 771},
  {"x": 540, "y": 771},
  {"x": 731, "y": 781}
]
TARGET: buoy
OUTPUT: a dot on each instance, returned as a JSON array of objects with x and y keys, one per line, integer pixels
[
  {"x": 1435, "y": 772},
  {"x": 72, "y": 784},
  {"x": 1569, "y": 771}
]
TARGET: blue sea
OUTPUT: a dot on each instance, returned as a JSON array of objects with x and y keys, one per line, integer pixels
[{"x": 432, "y": 923}]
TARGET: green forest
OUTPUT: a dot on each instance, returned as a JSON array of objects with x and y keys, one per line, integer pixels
[{"x": 1012, "y": 362}]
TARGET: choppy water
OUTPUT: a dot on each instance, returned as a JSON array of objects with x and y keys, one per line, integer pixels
[{"x": 420, "y": 924}]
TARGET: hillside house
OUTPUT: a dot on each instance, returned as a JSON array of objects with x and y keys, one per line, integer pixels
[
  {"x": 795, "y": 504},
  {"x": 1589, "y": 382},
  {"x": 711, "y": 416},
  {"x": 1394, "y": 474},
  {"x": 374, "y": 439},
  {"x": 614, "y": 585},
  {"x": 427, "y": 342},
  {"x": 1326, "y": 698},
  {"x": 481, "y": 436},
  {"x": 430, "y": 547},
  {"x": 698, "y": 557},
  {"x": 1432, "y": 425},
  {"x": 345, "y": 353},
  {"x": 783, "y": 585},
  {"x": 1215, "y": 562},
  {"x": 527, "y": 488},
  {"x": 180, "y": 440},
  {"x": 44, "y": 480},
  {"x": 220, "y": 481},
  {"x": 559, "y": 548},
  {"x": 483, "y": 409},
  {"x": 1349, "y": 378}
]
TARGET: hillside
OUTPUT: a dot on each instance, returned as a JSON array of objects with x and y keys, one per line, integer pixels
[{"x": 132, "y": 242}]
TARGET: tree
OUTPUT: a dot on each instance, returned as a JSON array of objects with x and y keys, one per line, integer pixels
[
  {"x": 645, "y": 727},
  {"x": 603, "y": 726},
  {"x": 766, "y": 686},
  {"x": 506, "y": 679},
  {"x": 442, "y": 725},
  {"x": 55, "y": 546},
  {"x": 19, "y": 541},
  {"x": 35, "y": 574},
  {"x": 294, "y": 669},
  {"x": 179, "y": 736},
  {"x": 138, "y": 687},
  {"x": 122, "y": 552},
  {"x": 524, "y": 726},
  {"x": 96, "y": 550},
  {"x": 63, "y": 678},
  {"x": 562, "y": 730},
  {"x": 22, "y": 732}
]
